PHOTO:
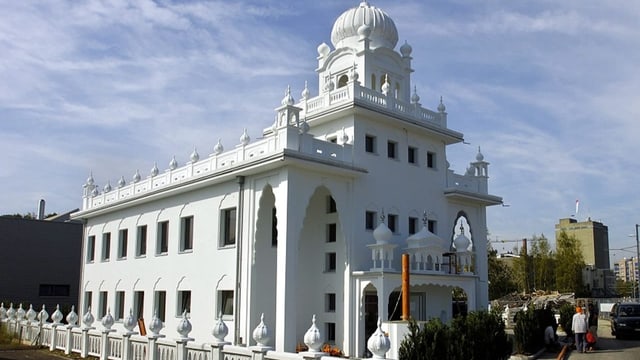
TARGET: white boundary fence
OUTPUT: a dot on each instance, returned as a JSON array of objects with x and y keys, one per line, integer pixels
[{"x": 108, "y": 344}]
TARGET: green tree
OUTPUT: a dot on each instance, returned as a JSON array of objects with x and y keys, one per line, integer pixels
[
  {"x": 569, "y": 264},
  {"x": 624, "y": 288},
  {"x": 542, "y": 264},
  {"x": 522, "y": 271},
  {"x": 501, "y": 277}
]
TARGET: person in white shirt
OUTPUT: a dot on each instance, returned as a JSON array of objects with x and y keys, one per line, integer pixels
[{"x": 579, "y": 327}]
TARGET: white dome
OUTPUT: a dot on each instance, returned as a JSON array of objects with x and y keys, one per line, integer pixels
[
  {"x": 426, "y": 238},
  {"x": 382, "y": 234},
  {"x": 461, "y": 242},
  {"x": 382, "y": 30}
]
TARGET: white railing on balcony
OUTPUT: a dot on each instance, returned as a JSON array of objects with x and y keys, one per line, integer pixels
[
  {"x": 472, "y": 184},
  {"x": 354, "y": 91},
  {"x": 288, "y": 137}
]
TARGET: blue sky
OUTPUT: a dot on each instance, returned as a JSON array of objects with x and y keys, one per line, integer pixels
[{"x": 548, "y": 89}]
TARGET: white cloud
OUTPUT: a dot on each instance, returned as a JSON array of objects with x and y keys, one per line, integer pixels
[{"x": 548, "y": 90}]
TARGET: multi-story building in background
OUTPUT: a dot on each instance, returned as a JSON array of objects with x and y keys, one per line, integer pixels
[
  {"x": 40, "y": 262},
  {"x": 626, "y": 269},
  {"x": 593, "y": 237}
]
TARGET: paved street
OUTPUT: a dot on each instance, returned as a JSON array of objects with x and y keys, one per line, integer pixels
[{"x": 608, "y": 347}]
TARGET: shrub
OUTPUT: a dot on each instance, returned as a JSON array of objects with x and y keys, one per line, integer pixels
[
  {"x": 566, "y": 317},
  {"x": 529, "y": 330},
  {"x": 477, "y": 336}
]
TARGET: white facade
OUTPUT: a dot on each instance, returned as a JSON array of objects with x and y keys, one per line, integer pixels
[{"x": 328, "y": 167}]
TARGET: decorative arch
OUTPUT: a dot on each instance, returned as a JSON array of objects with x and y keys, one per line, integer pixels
[
  {"x": 465, "y": 259},
  {"x": 462, "y": 215},
  {"x": 321, "y": 260},
  {"x": 264, "y": 257},
  {"x": 343, "y": 80}
]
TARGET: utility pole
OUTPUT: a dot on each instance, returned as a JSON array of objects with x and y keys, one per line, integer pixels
[{"x": 636, "y": 285}]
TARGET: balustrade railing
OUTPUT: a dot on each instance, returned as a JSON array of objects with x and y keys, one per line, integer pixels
[
  {"x": 217, "y": 162},
  {"x": 109, "y": 344}
]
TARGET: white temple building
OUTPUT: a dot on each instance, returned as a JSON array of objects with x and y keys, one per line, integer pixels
[{"x": 312, "y": 218}]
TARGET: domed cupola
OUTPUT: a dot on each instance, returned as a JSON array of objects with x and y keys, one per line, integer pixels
[
  {"x": 425, "y": 249},
  {"x": 381, "y": 30},
  {"x": 382, "y": 233},
  {"x": 461, "y": 242},
  {"x": 425, "y": 238}
]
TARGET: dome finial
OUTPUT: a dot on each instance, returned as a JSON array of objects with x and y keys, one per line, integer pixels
[
  {"x": 414, "y": 97},
  {"x": 288, "y": 99},
  {"x": 385, "y": 86},
  {"x": 194, "y": 155},
  {"x": 479, "y": 156},
  {"x": 305, "y": 91},
  {"x": 441, "y": 107},
  {"x": 90, "y": 180},
  {"x": 405, "y": 49}
]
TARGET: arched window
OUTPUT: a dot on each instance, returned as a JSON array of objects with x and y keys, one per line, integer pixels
[
  {"x": 373, "y": 81},
  {"x": 397, "y": 90},
  {"x": 342, "y": 81}
]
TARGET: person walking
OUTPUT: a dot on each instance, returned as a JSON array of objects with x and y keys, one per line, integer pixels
[
  {"x": 593, "y": 325},
  {"x": 579, "y": 327}
]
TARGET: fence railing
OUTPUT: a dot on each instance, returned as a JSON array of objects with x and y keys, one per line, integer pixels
[{"x": 109, "y": 344}]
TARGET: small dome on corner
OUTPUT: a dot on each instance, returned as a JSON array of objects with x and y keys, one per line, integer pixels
[
  {"x": 323, "y": 50},
  {"x": 406, "y": 49}
]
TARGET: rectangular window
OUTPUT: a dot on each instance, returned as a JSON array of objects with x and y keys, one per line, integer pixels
[
  {"x": 162, "y": 247},
  {"x": 186, "y": 233},
  {"x": 228, "y": 227},
  {"x": 392, "y": 149},
  {"x": 106, "y": 246},
  {"x": 431, "y": 160},
  {"x": 330, "y": 302},
  {"x": 392, "y": 222},
  {"x": 225, "y": 301},
  {"x": 54, "y": 290},
  {"x": 102, "y": 306},
  {"x": 413, "y": 225},
  {"x": 330, "y": 262},
  {"x": 274, "y": 227},
  {"x": 141, "y": 241},
  {"x": 123, "y": 239},
  {"x": 431, "y": 226},
  {"x": 331, "y": 332},
  {"x": 331, "y": 233},
  {"x": 91, "y": 248},
  {"x": 412, "y": 153},
  {"x": 370, "y": 143},
  {"x": 138, "y": 304},
  {"x": 370, "y": 220},
  {"x": 184, "y": 302},
  {"x": 160, "y": 303},
  {"x": 88, "y": 295},
  {"x": 331, "y": 205},
  {"x": 119, "y": 309}
]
